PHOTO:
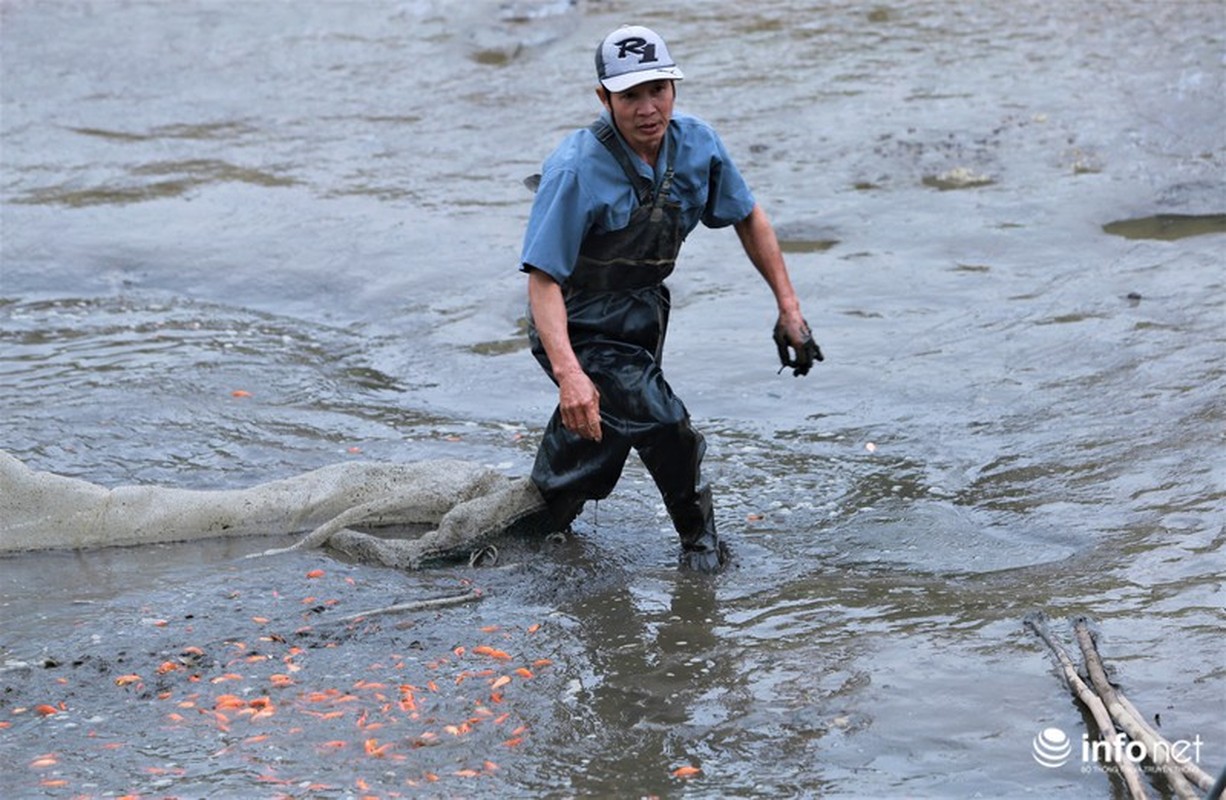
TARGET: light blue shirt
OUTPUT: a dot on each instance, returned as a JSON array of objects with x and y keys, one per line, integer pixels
[{"x": 583, "y": 189}]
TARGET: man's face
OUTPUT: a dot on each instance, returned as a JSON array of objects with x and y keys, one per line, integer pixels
[{"x": 642, "y": 114}]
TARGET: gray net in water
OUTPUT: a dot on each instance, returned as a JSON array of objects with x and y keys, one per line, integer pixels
[{"x": 459, "y": 504}]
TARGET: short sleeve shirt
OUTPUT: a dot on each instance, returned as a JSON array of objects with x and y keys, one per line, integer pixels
[{"x": 583, "y": 189}]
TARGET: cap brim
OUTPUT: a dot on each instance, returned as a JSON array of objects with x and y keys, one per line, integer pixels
[{"x": 621, "y": 83}]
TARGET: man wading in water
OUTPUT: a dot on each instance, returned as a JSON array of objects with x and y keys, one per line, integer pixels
[{"x": 614, "y": 203}]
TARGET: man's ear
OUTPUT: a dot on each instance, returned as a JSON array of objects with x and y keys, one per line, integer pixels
[{"x": 603, "y": 94}]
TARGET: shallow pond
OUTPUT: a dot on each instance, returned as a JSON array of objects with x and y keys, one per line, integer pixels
[{"x": 1005, "y": 225}]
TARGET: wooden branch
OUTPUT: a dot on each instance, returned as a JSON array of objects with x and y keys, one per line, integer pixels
[
  {"x": 417, "y": 605},
  {"x": 1106, "y": 729},
  {"x": 1126, "y": 717}
]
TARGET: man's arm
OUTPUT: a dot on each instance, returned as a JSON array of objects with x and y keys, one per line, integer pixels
[
  {"x": 578, "y": 398},
  {"x": 762, "y": 247}
]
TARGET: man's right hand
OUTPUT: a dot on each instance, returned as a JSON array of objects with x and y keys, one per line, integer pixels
[
  {"x": 579, "y": 401},
  {"x": 578, "y": 397}
]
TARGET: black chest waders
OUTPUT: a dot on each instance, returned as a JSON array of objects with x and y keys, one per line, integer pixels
[{"x": 617, "y": 312}]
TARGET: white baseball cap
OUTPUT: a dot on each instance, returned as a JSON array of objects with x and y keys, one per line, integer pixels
[{"x": 632, "y": 55}]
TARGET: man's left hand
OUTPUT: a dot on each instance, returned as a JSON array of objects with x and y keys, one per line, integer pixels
[{"x": 797, "y": 350}]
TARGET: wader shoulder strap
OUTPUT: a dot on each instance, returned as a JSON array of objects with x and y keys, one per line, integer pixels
[
  {"x": 605, "y": 134},
  {"x": 657, "y": 212}
]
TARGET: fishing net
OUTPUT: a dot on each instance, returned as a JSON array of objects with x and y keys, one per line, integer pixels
[{"x": 450, "y": 508}]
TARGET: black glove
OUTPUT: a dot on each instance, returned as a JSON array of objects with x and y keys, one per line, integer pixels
[{"x": 805, "y": 355}]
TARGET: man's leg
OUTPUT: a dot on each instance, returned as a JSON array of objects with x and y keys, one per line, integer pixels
[
  {"x": 570, "y": 470},
  {"x": 656, "y": 422},
  {"x": 673, "y": 455}
]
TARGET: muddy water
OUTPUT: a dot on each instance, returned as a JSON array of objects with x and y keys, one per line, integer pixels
[{"x": 1005, "y": 224}]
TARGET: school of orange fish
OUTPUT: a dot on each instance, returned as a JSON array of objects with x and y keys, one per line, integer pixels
[{"x": 394, "y": 728}]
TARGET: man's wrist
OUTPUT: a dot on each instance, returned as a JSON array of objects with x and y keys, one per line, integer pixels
[
  {"x": 569, "y": 372},
  {"x": 788, "y": 306}
]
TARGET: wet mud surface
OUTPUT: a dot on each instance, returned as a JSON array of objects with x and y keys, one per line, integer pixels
[{"x": 204, "y": 692}]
